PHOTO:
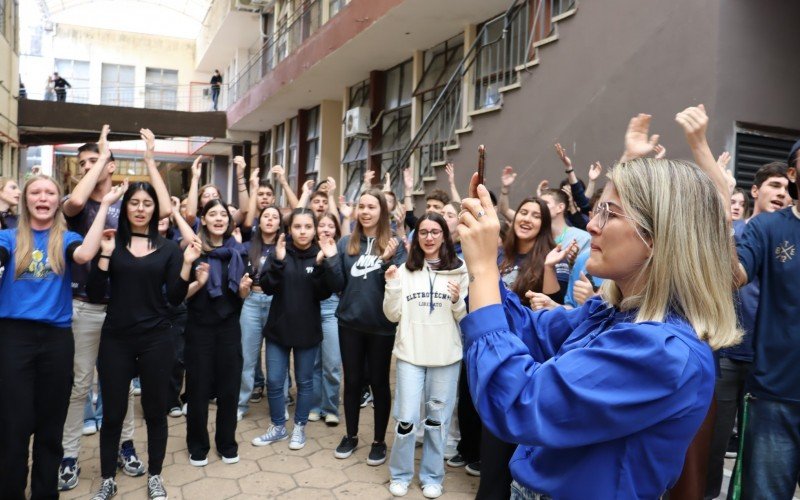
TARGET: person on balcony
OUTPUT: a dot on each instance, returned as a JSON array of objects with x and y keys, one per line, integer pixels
[
  {"x": 216, "y": 84},
  {"x": 60, "y": 85}
]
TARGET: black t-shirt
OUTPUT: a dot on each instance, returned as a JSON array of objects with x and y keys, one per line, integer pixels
[
  {"x": 216, "y": 80},
  {"x": 138, "y": 303},
  {"x": 81, "y": 223},
  {"x": 203, "y": 309}
]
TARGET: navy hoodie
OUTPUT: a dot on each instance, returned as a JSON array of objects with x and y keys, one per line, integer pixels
[{"x": 362, "y": 284}]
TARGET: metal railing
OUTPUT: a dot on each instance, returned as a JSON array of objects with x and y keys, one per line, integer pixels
[
  {"x": 290, "y": 34},
  {"x": 194, "y": 96},
  {"x": 501, "y": 45}
]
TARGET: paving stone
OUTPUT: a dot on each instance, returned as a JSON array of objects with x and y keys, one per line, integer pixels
[
  {"x": 320, "y": 477},
  {"x": 267, "y": 484},
  {"x": 211, "y": 489}
]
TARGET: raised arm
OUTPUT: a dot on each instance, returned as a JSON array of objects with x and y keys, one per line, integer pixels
[
  {"x": 305, "y": 195},
  {"x": 330, "y": 188},
  {"x": 451, "y": 180},
  {"x": 80, "y": 195},
  {"x": 187, "y": 233},
  {"x": 638, "y": 141},
  {"x": 191, "y": 198},
  {"x": 506, "y": 180},
  {"x": 280, "y": 175},
  {"x": 252, "y": 209},
  {"x": 91, "y": 242},
  {"x": 241, "y": 186},
  {"x": 594, "y": 173},
  {"x": 164, "y": 202}
]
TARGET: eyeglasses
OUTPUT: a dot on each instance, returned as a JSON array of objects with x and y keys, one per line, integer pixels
[
  {"x": 433, "y": 232},
  {"x": 602, "y": 211}
]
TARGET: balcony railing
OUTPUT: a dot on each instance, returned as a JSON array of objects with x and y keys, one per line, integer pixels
[
  {"x": 291, "y": 32},
  {"x": 195, "y": 96}
]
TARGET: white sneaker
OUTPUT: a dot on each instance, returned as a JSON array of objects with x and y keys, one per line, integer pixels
[
  {"x": 175, "y": 412},
  {"x": 89, "y": 428},
  {"x": 239, "y": 415},
  {"x": 230, "y": 460},
  {"x": 274, "y": 433},
  {"x": 398, "y": 488},
  {"x": 185, "y": 408},
  {"x": 314, "y": 416},
  {"x": 198, "y": 462},
  {"x": 331, "y": 420},
  {"x": 298, "y": 437},
  {"x": 432, "y": 490}
]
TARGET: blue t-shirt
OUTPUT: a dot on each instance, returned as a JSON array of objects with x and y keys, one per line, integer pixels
[
  {"x": 745, "y": 300},
  {"x": 81, "y": 223},
  {"x": 769, "y": 251},
  {"x": 575, "y": 275},
  {"x": 38, "y": 294}
]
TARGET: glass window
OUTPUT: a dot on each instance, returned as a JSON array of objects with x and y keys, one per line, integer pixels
[
  {"x": 161, "y": 88},
  {"x": 266, "y": 155},
  {"x": 398, "y": 86},
  {"x": 77, "y": 74},
  {"x": 117, "y": 85},
  {"x": 359, "y": 94},
  {"x": 335, "y": 7},
  {"x": 312, "y": 143},
  {"x": 292, "y": 167},
  {"x": 279, "y": 144}
]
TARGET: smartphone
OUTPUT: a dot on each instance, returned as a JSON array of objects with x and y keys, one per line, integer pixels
[
  {"x": 481, "y": 163},
  {"x": 591, "y": 280}
]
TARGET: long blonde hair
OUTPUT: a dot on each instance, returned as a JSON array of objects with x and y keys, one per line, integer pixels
[
  {"x": 3, "y": 182},
  {"x": 689, "y": 270},
  {"x": 23, "y": 254}
]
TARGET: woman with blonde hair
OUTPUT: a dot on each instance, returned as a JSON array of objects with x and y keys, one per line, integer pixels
[
  {"x": 36, "y": 343},
  {"x": 9, "y": 199},
  {"x": 616, "y": 389}
]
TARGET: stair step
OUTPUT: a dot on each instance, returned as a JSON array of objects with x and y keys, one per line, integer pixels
[
  {"x": 508, "y": 88},
  {"x": 528, "y": 65},
  {"x": 571, "y": 12},
  {"x": 550, "y": 39},
  {"x": 440, "y": 163},
  {"x": 483, "y": 111},
  {"x": 431, "y": 178},
  {"x": 450, "y": 148},
  {"x": 464, "y": 130}
]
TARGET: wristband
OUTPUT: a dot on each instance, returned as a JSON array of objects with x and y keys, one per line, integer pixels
[
  {"x": 104, "y": 257},
  {"x": 569, "y": 170}
]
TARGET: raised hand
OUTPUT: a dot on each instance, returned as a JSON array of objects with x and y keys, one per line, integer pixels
[
  {"x": 279, "y": 172},
  {"x": 387, "y": 182},
  {"x": 508, "y": 176},
  {"x": 108, "y": 241},
  {"x": 540, "y": 301},
  {"x": 327, "y": 247},
  {"x": 240, "y": 164},
  {"x": 582, "y": 290},
  {"x": 149, "y": 142},
  {"x": 542, "y": 187},
  {"x": 568, "y": 193},
  {"x": 116, "y": 193},
  {"x": 345, "y": 208},
  {"x": 557, "y": 254},
  {"x": 201, "y": 273},
  {"x": 638, "y": 141},
  {"x": 102, "y": 142},
  {"x": 723, "y": 160},
  {"x": 280, "y": 247},
  {"x": 408, "y": 179},
  {"x": 391, "y": 273},
  {"x": 391, "y": 249},
  {"x": 176, "y": 203},
  {"x": 455, "y": 290},
  {"x": 694, "y": 122},
  {"x": 330, "y": 185},
  {"x": 562, "y": 155},
  {"x": 237, "y": 234},
  {"x": 595, "y": 169},
  {"x": 450, "y": 168},
  {"x": 197, "y": 169},
  {"x": 193, "y": 250},
  {"x": 722, "y": 163},
  {"x": 660, "y": 151},
  {"x": 254, "y": 179},
  {"x": 308, "y": 186},
  {"x": 368, "y": 176}
]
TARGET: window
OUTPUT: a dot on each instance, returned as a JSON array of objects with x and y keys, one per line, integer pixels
[
  {"x": 292, "y": 167},
  {"x": 334, "y": 7},
  {"x": 3, "y": 18},
  {"x": 307, "y": 18},
  {"x": 33, "y": 157},
  {"x": 118, "y": 85},
  {"x": 396, "y": 121},
  {"x": 161, "y": 88},
  {"x": 77, "y": 74},
  {"x": 266, "y": 155},
  {"x": 355, "y": 152},
  {"x": 312, "y": 143},
  {"x": 279, "y": 145}
]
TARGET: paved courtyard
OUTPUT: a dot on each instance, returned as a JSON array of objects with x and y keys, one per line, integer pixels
[{"x": 267, "y": 472}]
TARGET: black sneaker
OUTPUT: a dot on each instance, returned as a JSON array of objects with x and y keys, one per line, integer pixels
[
  {"x": 377, "y": 455},
  {"x": 366, "y": 397},
  {"x": 457, "y": 461},
  {"x": 474, "y": 469},
  {"x": 346, "y": 447},
  {"x": 733, "y": 447},
  {"x": 108, "y": 489},
  {"x": 68, "y": 473},
  {"x": 257, "y": 395}
]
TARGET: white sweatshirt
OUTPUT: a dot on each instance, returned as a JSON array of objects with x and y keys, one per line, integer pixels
[{"x": 428, "y": 332}]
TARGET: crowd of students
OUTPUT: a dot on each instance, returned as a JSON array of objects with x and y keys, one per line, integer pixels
[{"x": 566, "y": 339}]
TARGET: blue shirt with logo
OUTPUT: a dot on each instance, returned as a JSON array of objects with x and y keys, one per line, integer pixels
[
  {"x": 39, "y": 294},
  {"x": 769, "y": 251}
]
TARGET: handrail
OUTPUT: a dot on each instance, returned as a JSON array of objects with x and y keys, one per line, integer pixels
[
  {"x": 453, "y": 82},
  {"x": 284, "y": 30},
  {"x": 469, "y": 59}
]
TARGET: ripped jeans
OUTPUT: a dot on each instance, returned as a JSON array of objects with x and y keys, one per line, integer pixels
[{"x": 437, "y": 387}]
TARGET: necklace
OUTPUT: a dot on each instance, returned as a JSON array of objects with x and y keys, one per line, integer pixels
[{"x": 140, "y": 235}]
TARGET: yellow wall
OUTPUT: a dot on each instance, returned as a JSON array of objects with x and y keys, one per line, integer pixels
[{"x": 9, "y": 89}]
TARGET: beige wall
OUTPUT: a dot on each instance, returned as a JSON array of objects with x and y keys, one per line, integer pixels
[
  {"x": 9, "y": 89},
  {"x": 330, "y": 141}
]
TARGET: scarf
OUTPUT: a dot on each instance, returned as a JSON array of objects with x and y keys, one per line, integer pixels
[{"x": 230, "y": 251}]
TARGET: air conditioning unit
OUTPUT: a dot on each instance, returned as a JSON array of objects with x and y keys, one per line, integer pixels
[
  {"x": 254, "y": 5},
  {"x": 356, "y": 122}
]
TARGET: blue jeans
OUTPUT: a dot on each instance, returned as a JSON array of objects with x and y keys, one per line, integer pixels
[
  {"x": 94, "y": 412},
  {"x": 437, "y": 387},
  {"x": 277, "y": 367},
  {"x": 328, "y": 366},
  {"x": 252, "y": 320},
  {"x": 771, "y": 461}
]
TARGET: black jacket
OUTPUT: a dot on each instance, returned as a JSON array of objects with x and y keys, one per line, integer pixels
[{"x": 297, "y": 285}]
